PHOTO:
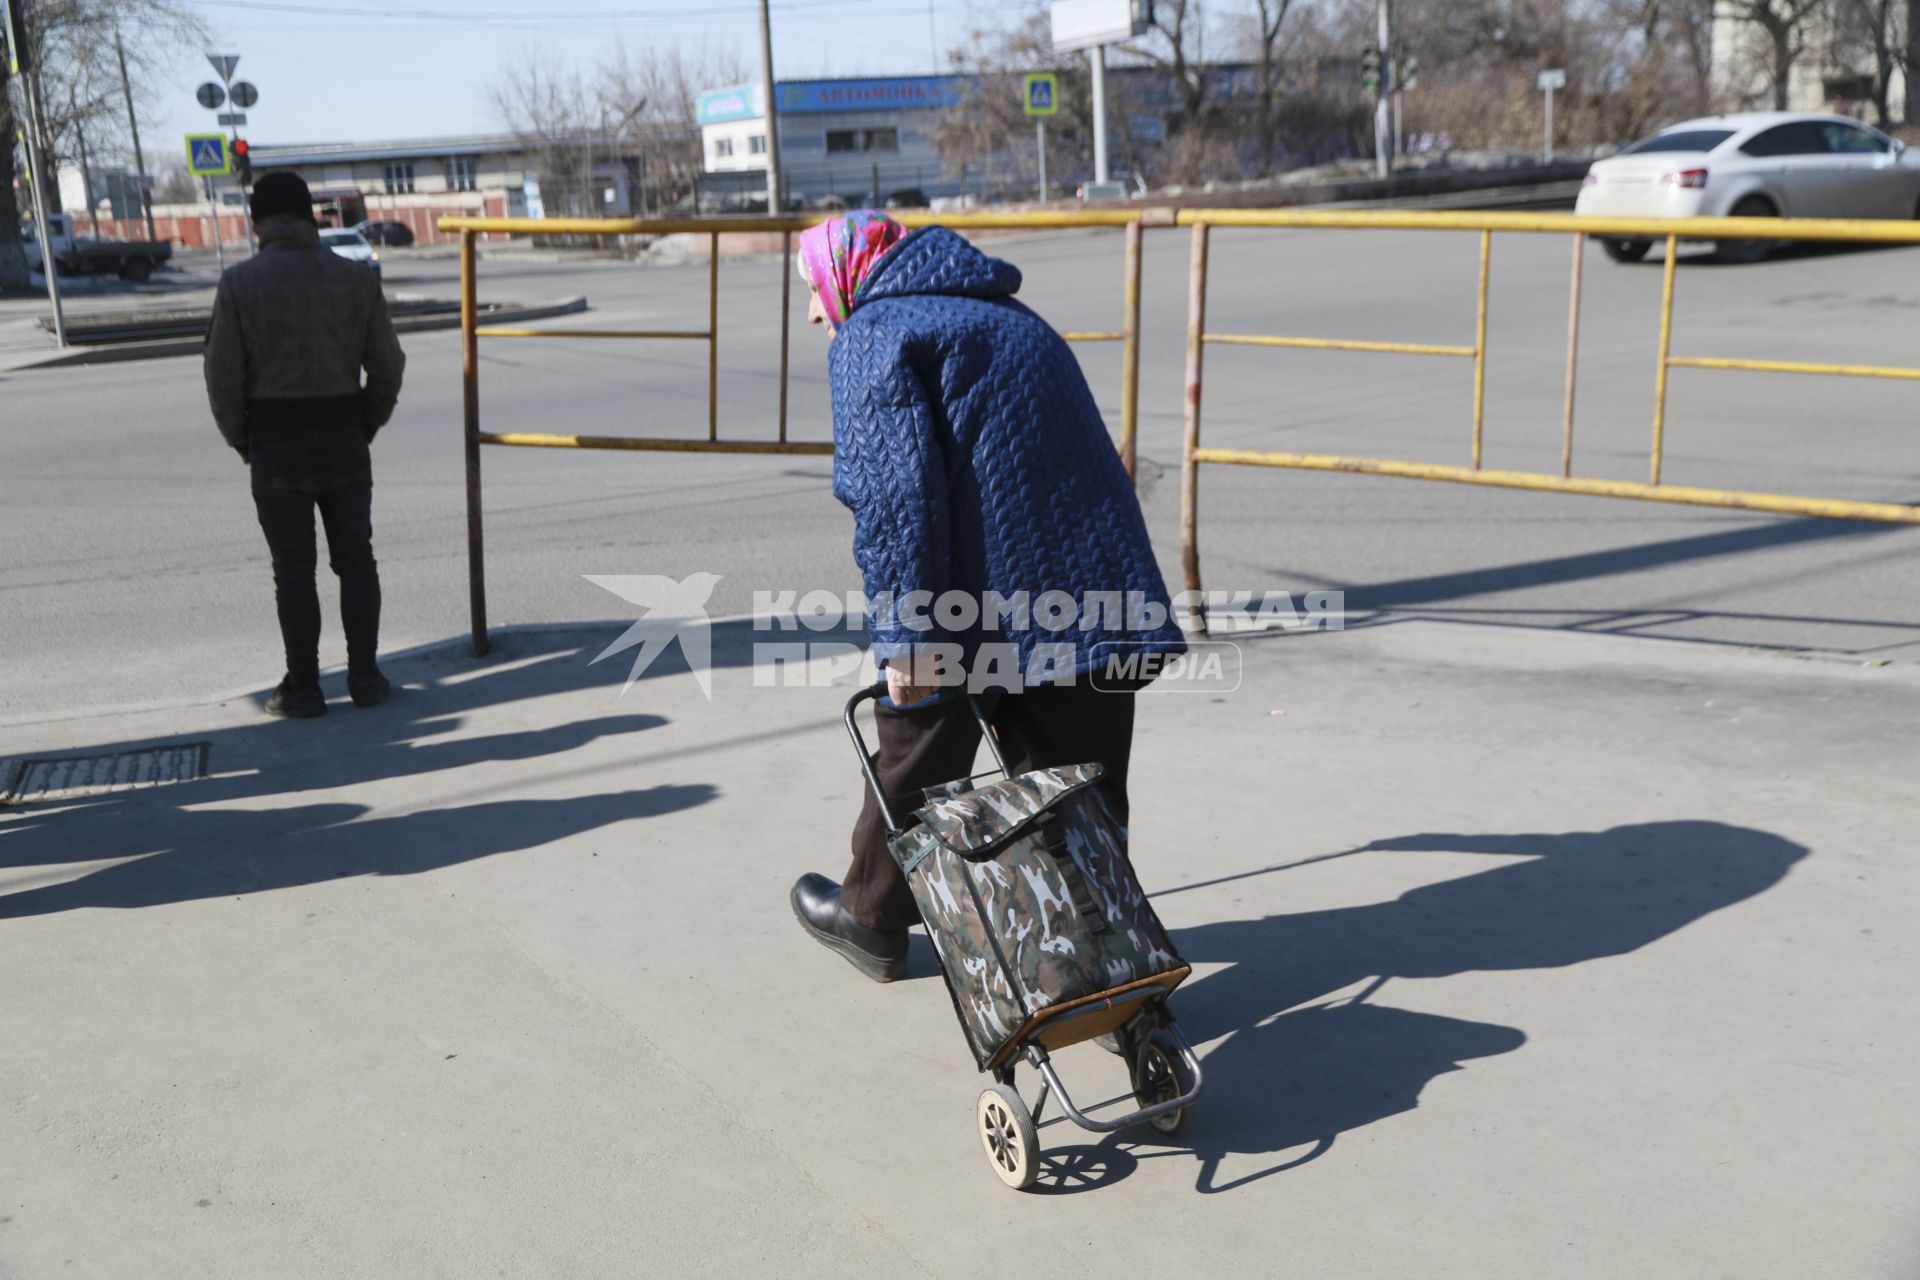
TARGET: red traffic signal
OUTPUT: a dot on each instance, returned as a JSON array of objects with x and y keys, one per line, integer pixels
[{"x": 242, "y": 160}]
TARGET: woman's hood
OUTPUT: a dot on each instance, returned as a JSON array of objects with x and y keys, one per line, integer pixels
[{"x": 935, "y": 261}]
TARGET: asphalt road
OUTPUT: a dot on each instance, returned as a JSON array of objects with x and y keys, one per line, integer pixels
[{"x": 135, "y": 571}]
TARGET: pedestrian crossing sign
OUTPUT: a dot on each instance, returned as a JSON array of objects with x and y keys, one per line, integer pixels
[
  {"x": 1041, "y": 93},
  {"x": 207, "y": 155}
]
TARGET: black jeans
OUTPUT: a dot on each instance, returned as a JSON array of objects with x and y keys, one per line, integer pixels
[
  {"x": 1039, "y": 728},
  {"x": 308, "y": 454}
]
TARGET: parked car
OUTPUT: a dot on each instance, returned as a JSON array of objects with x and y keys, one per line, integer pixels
[
  {"x": 397, "y": 235},
  {"x": 132, "y": 260},
  {"x": 909, "y": 198},
  {"x": 1762, "y": 164},
  {"x": 351, "y": 245}
]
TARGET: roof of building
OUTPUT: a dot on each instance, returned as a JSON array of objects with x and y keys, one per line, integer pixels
[{"x": 297, "y": 153}]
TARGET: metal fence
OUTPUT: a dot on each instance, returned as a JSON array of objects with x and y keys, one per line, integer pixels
[
  {"x": 1202, "y": 223},
  {"x": 471, "y": 331},
  {"x": 1671, "y": 232}
]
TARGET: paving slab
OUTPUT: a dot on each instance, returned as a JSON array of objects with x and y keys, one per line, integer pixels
[{"x": 1517, "y": 954}]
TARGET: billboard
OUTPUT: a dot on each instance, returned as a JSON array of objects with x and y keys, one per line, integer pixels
[
  {"x": 719, "y": 106},
  {"x": 805, "y": 97},
  {"x": 1082, "y": 24}
]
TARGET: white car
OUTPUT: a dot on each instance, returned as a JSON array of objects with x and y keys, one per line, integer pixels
[
  {"x": 1761, "y": 164},
  {"x": 351, "y": 245}
]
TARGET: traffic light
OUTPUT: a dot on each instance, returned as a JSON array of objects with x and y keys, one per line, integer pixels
[
  {"x": 1370, "y": 69},
  {"x": 1408, "y": 70},
  {"x": 242, "y": 162}
]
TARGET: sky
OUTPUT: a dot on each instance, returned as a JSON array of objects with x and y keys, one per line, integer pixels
[{"x": 366, "y": 70}]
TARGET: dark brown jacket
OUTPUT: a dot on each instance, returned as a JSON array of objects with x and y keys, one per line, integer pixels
[{"x": 295, "y": 322}]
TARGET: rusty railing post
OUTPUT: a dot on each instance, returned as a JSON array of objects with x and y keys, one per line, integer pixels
[
  {"x": 786, "y": 321},
  {"x": 713, "y": 338},
  {"x": 1189, "y": 462},
  {"x": 1130, "y": 357},
  {"x": 1573, "y": 351},
  {"x": 470, "y": 387},
  {"x": 1666, "y": 338}
]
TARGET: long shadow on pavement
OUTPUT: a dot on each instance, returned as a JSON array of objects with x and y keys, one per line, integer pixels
[
  {"x": 1303, "y": 1069},
  {"x": 201, "y": 839}
]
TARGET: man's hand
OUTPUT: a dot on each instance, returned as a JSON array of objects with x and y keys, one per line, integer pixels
[{"x": 911, "y": 680}]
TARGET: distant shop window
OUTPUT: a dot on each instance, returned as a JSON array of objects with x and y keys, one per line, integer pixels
[
  {"x": 461, "y": 175},
  {"x": 757, "y": 145},
  {"x": 863, "y": 140},
  {"x": 722, "y": 148},
  {"x": 400, "y": 178}
]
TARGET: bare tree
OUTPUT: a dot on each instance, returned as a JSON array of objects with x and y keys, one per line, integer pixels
[
  {"x": 1783, "y": 25},
  {"x": 652, "y": 94},
  {"x": 1873, "y": 32},
  {"x": 547, "y": 105},
  {"x": 987, "y": 135},
  {"x": 1269, "y": 16},
  {"x": 70, "y": 51}
]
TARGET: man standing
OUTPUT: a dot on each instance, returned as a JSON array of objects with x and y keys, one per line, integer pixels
[{"x": 292, "y": 328}]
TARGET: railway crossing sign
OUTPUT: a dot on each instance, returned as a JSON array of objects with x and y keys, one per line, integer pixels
[
  {"x": 1040, "y": 92},
  {"x": 207, "y": 155}
]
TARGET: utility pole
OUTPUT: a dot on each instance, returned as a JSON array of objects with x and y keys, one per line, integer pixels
[
  {"x": 1383, "y": 141},
  {"x": 133, "y": 123},
  {"x": 36, "y": 160},
  {"x": 773, "y": 113}
]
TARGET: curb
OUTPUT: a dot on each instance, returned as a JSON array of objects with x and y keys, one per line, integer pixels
[{"x": 122, "y": 352}]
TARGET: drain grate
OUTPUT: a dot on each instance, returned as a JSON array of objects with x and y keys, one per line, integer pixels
[{"x": 39, "y": 778}]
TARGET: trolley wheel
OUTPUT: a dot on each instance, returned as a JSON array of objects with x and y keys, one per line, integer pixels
[
  {"x": 1159, "y": 1073},
  {"x": 1008, "y": 1136}
]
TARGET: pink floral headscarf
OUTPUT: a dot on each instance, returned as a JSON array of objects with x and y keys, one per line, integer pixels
[{"x": 837, "y": 255}]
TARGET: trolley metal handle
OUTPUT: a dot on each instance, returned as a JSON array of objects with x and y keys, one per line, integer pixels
[{"x": 874, "y": 692}]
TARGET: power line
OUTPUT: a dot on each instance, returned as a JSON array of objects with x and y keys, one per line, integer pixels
[{"x": 470, "y": 17}]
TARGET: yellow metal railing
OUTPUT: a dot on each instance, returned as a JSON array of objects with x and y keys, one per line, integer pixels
[
  {"x": 787, "y": 227},
  {"x": 1671, "y": 232}
]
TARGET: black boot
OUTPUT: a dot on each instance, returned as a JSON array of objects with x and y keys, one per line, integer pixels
[
  {"x": 296, "y": 702},
  {"x": 367, "y": 688},
  {"x": 881, "y": 954}
]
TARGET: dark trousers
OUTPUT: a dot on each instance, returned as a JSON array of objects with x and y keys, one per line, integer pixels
[
  {"x": 1039, "y": 728},
  {"x": 309, "y": 455}
]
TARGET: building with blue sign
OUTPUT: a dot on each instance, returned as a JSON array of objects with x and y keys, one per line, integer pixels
[{"x": 860, "y": 140}]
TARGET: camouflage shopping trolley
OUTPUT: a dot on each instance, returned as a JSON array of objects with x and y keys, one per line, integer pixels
[{"x": 1045, "y": 939}]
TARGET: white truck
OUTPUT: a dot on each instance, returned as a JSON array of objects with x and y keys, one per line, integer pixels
[{"x": 133, "y": 260}]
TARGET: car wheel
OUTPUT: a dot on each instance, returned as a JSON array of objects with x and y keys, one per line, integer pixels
[
  {"x": 1626, "y": 250},
  {"x": 136, "y": 270},
  {"x": 1746, "y": 250}
]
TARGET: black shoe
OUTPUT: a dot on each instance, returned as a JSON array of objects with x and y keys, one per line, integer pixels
[
  {"x": 881, "y": 954},
  {"x": 368, "y": 690},
  {"x": 296, "y": 703}
]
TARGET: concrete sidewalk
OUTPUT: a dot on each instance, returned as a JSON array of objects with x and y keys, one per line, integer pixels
[{"x": 499, "y": 978}]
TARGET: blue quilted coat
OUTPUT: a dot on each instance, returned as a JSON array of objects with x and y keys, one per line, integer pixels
[{"x": 974, "y": 459}]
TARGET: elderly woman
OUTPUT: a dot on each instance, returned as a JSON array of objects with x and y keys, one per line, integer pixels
[{"x": 981, "y": 479}]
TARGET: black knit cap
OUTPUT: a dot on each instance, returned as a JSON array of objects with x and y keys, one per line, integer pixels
[{"x": 281, "y": 194}]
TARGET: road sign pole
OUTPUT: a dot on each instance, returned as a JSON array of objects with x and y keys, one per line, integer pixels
[
  {"x": 1549, "y": 147},
  {"x": 219, "y": 253},
  {"x": 133, "y": 123},
  {"x": 1099, "y": 52},
  {"x": 1040, "y": 134},
  {"x": 49, "y": 268}
]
